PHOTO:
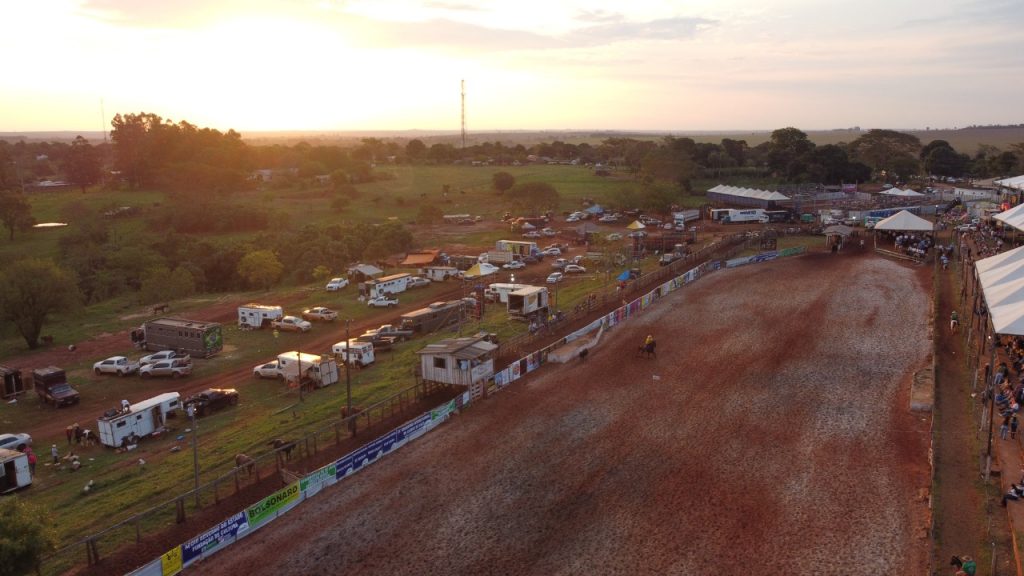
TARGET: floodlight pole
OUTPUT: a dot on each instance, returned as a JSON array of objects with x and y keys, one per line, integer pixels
[{"x": 195, "y": 450}]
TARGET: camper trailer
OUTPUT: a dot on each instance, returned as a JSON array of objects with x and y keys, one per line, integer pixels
[
  {"x": 197, "y": 339},
  {"x": 312, "y": 369},
  {"x": 517, "y": 247},
  {"x": 354, "y": 352},
  {"x": 438, "y": 273},
  {"x": 499, "y": 291},
  {"x": 120, "y": 427},
  {"x": 527, "y": 303},
  {"x": 435, "y": 316},
  {"x": 385, "y": 285},
  {"x": 14, "y": 470},
  {"x": 258, "y": 315}
]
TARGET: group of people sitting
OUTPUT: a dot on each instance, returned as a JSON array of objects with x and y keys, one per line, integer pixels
[{"x": 914, "y": 244}]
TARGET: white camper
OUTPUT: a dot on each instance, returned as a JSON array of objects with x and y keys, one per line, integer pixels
[
  {"x": 14, "y": 470},
  {"x": 308, "y": 368},
  {"x": 385, "y": 285},
  {"x": 354, "y": 352},
  {"x": 122, "y": 427},
  {"x": 499, "y": 291},
  {"x": 439, "y": 273},
  {"x": 258, "y": 315}
]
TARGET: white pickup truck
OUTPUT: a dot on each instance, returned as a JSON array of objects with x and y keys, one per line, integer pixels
[{"x": 382, "y": 302}]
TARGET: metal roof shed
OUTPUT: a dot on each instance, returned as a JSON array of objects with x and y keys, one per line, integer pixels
[{"x": 461, "y": 361}]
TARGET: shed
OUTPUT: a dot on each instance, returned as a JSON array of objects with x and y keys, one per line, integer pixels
[
  {"x": 12, "y": 381},
  {"x": 420, "y": 258},
  {"x": 361, "y": 272},
  {"x": 14, "y": 470},
  {"x": 462, "y": 361}
]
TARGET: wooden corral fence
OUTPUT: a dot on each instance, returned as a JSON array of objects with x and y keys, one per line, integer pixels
[{"x": 263, "y": 466}]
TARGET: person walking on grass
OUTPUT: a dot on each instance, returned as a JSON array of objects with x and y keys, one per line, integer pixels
[{"x": 954, "y": 321}]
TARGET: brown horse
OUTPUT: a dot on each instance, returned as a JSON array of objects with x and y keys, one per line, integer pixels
[
  {"x": 241, "y": 460},
  {"x": 283, "y": 447}
]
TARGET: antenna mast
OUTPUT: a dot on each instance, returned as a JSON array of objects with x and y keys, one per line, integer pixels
[{"x": 463, "y": 90}]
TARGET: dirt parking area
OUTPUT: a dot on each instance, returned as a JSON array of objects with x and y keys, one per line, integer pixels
[{"x": 770, "y": 435}]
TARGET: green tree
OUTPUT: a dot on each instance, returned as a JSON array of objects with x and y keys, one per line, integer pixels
[
  {"x": 534, "y": 197},
  {"x": 82, "y": 164},
  {"x": 32, "y": 289},
  {"x": 672, "y": 162},
  {"x": 26, "y": 534},
  {"x": 321, "y": 273},
  {"x": 429, "y": 214},
  {"x": 415, "y": 149},
  {"x": 161, "y": 284},
  {"x": 15, "y": 212},
  {"x": 260, "y": 268},
  {"x": 883, "y": 149},
  {"x": 788, "y": 151},
  {"x": 503, "y": 181},
  {"x": 944, "y": 161}
]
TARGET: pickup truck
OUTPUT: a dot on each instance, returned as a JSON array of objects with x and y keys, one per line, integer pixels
[
  {"x": 380, "y": 343},
  {"x": 291, "y": 324},
  {"x": 391, "y": 331},
  {"x": 382, "y": 302}
]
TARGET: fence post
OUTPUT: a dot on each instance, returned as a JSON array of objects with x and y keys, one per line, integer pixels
[
  {"x": 180, "y": 505},
  {"x": 216, "y": 491},
  {"x": 138, "y": 532}
]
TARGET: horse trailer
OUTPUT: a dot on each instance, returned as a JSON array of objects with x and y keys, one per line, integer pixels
[
  {"x": 438, "y": 273},
  {"x": 354, "y": 352},
  {"x": 258, "y": 315},
  {"x": 299, "y": 368},
  {"x": 119, "y": 428},
  {"x": 435, "y": 316},
  {"x": 385, "y": 285},
  {"x": 528, "y": 302},
  {"x": 14, "y": 470},
  {"x": 198, "y": 339}
]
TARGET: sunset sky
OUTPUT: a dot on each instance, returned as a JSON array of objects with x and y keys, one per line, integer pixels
[{"x": 527, "y": 64}]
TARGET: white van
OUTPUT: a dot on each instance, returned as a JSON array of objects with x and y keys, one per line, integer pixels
[{"x": 354, "y": 352}]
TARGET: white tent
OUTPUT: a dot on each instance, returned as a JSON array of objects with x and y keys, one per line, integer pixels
[
  {"x": 1014, "y": 217},
  {"x": 1008, "y": 318},
  {"x": 1002, "y": 283},
  {"x": 1008, "y": 258},
  {"x": 897, "y": 192},
  {"x": 904, "y": 221},
  {"x": 1016, "y": 182}
]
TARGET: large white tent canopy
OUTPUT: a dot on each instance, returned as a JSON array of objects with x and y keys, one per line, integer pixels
[
  {"x": 1002, "y": 282},
  {"x": 1017, "y": 182},
  {"x": 749, "y": 193},
  {"x": 897, "y": 192},
  {"x": 1014, "y": 217},
  {"x": 904, "y": 221}
]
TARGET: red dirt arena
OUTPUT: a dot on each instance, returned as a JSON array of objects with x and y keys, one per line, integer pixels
[{"x": 770, "y": 435}]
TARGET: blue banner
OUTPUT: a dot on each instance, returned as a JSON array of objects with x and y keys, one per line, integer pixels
[{"x": 214, "y": 539}]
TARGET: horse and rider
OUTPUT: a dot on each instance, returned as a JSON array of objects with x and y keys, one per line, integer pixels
[{"x": 647, "y": 349}]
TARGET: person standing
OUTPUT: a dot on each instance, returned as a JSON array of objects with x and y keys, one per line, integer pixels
[
  {"x": 31, "y": 461},
  {"x": 1004, "y": 428},
  {"x": 55, "y": 453},
  {"x": 70, "y": 433}
]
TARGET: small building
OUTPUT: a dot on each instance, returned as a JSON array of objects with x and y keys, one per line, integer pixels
[
  {"x": 419, "y": 258},
  {"x": 363, "y": 272},
  {"x": 465, "y": 361},
  {"x": 438, "y": 273}
]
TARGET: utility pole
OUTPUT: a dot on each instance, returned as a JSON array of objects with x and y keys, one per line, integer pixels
[
  {"x": 195, "y": 450},
  {"x": 348, "y": 380}
]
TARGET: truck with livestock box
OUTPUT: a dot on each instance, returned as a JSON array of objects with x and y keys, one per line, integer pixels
[
  {"x": 528, "y": 303},
  {"x": 303, "y": 369},
  {"x": 198, "y": 339}
]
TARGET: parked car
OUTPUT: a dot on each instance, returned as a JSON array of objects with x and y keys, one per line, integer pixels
[
  {"x": 614, "y": 236},
  {"x": 319, "y": 313},
  {"x": 212, "y": 399},
  {"x": 574, "y": 269},
  {"x": 337, "y": 284},
  {"x": 382, "y": 302},
  {"x": 176, "y": 368},
  {"x": 163, "y": 355},
  {"x": 966, "y": 228},
  {"x": 531, "y": 259},
  {"x": 268, "y": 370},
  {"x": 548, "y": 232},
  {"x": 514, "y": 265},
  {"x": 292, "y": 324},
  {"x": 560, "y": 263},
  {"x": 555, "y": 277},
  {"x": 577, "y": 259},
  {"x": 552, "y": 251},
  {"x": 417, "y": 282},
  {"x": 15, "y": 441},
  {"x": 116, "y": 365},
  {"x": 531, "y": 234},
  {"x": 608, "y": 218}
]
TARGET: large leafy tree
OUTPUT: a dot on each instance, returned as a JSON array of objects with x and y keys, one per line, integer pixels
[
  {"x": 31, "y": 290},
  {"x": 415, "y": 149},
  {"x": 82, "y": 164},
  {"x": 503, "y": 181},
  {"x": 944, "y": 161},
  {"x": 26, "y": 534},
  {"x": 887, "y": 150},
  {"x": 15, "y": 212},
  {"x": 670, "y": 162},
  {"x": 788, "y": 151},
  {"x": 260, "y": 268},
  {"x": 534, "y": 196}
]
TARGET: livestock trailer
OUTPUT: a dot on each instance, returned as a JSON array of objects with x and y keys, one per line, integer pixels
[
  {"x": 385, "y": 285},
  {"x": 528, "y": 302},
  {"x": 198, "y": 339},
  {"x": 258, "y": 315},
  {"x": 299, "y": 368},
  {"x": 14, "y": 470},
  {"x": 435, "y": 316},
  {"x": 438, "y": 273},
  {"x": 13, "y": 384},
  {"x": 517, "y": 247},
  {"x": 354, "y": 352},
  {"x": 119, "y": 428}
]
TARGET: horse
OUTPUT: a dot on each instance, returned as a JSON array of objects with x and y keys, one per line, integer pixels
[
  {"x": 647, "y": 350},
  {"x": 241, "y": 460},
  {"x": 283, "y": 447}
]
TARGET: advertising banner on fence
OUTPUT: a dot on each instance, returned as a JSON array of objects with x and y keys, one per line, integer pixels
[
  {"x": 278, "y": 502},
  {"x": 313, "y": 483},
  {"x": 214, "y": 539},
  {"x": 170, "y": 562}
]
